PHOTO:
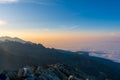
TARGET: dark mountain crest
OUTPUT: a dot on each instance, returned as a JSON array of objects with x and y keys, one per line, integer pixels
[
  {"x": 14, "y": 54},
  {"x": 7, "y": 38}
]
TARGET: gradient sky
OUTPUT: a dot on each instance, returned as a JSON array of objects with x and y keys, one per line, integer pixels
[{"x": 55, "y": 22}]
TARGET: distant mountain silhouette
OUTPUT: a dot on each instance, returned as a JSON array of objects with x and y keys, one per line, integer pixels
[
  {"x": 14, "y": 54},
  {"x": 4, "y": 38}
]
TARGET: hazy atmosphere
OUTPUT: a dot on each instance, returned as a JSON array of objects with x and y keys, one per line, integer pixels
[
  {"x": 59, "y": 39},
  {"x": 64, "y": 24}
]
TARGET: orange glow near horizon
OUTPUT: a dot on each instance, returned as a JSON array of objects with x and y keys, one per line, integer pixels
[{"x": 56, "y": 40}]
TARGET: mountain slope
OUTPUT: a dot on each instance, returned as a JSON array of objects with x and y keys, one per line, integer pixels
[{"x": 16, "y": 54}]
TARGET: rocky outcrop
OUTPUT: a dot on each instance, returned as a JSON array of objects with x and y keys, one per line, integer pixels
[{"x": 50, "y": 72}]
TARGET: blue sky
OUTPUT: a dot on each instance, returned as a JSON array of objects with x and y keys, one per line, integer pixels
[
  {"x": 99, "y": 16},
  {"x": 62, "y": 23}
]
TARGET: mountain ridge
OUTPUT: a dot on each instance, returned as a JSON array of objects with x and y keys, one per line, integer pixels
[
  {"x": 15, "y": 54},
  {"x": 7, "y": 38}
]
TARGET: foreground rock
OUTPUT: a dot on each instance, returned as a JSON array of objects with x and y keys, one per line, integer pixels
[{"x": 51, "y": 72}]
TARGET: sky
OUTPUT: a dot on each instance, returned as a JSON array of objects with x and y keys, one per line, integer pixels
[{"x": 64, "y": 24}]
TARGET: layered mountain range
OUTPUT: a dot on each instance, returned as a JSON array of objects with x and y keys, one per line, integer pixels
[{"x": 16, "y": 53}]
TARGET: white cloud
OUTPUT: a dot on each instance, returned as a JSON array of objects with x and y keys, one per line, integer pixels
[
  {"x": 2, "y": 23},
  {"x": 46, "y": 30},
  {"x": 8, "y": 1},
  {"x": 39, "y": 2},
  {"x": 74, "y": 27}
]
